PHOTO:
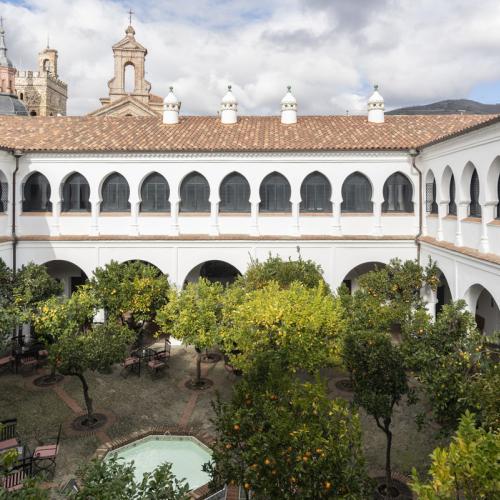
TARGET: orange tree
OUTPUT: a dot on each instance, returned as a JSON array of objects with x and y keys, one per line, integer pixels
[
  {"x": 283, "y": 272},
  {"x": 130, "y": 292},
  {"x": 193, "y": 315},
  {"x": 77, "y": 344},
  {"x": 280, "y": 438},
  {"x": 469, "y": 468},
  {"x": 378, "y": 375},
  {"x": 303, "y": 325}
]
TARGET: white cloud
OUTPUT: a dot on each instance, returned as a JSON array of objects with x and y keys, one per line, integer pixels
[{"x": 328, "y": 51}]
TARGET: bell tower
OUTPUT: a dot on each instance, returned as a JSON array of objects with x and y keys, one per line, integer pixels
[
  {"x": 129, "y": 52},
  {"x": 47, "y": 61}
]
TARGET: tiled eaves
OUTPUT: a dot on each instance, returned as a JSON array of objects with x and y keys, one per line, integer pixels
[{"x": 467, "y": 251}]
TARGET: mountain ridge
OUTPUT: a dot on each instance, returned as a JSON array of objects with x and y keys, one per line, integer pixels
[{"x": 449, "y": 107}]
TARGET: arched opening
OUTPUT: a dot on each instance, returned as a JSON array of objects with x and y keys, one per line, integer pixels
[
  {"x": 315, "y": 194},
  {"x": 485, "y": 309},
  {"x": 275, "y": 194},
  {"x": 351, "y": 280},
  {"x": 32, "y": 113},
  {"x": 145, "y": 262},
  {"x": 46, "y": 65},
  {"x": 443, "y": 293},
  {"x": 431, "y": 206},
  {"x": 474, "y": 206},
  {"x": 357, "y": 194},
  {"x": 155, "y": 193},
  {"x": 4, "y": 192},
  {"x": 234, "y": 194},
  {"x": 398, "y": 194},
  {"x": 21, "y": 96},
  {"x": 129, "y": 78},
  {"x": 195, "y": 192},
  {"x": 213, "y": 271},
  {"x": 75, "y": 195},
  {"x": 452, "y": 205},
  {"x": 115, "y": 194},
  {"x": 70, "y": 275},
  {"x": 36, "y": 194},
  {"x": 498, "y": 197}
]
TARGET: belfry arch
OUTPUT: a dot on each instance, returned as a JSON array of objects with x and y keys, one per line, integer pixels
[{"x": 214, "y": 271}]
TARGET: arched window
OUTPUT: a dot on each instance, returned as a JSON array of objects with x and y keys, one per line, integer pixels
[
  {"x": 76, "y": 192},
  {"x": 195, "y": 192},
  {"x": 474, "y": 207},
  {"x": 129, "y": 78},
  {"x": 452, "y": 206},
  {"x": 115, "y": 194},
  {"x": 234, "y": 194},
  {"x": 498, "y": 195},
  {"x": 275, "y": 194},
  {"x": 315, "y": 193},
  {"x": 155, "y": 194},
  {"x": 431, "y": 206},
  {"x": 32, "y": 113},
  {"x": 357, "y": 194},
  {"x": 398, "y": 193},
  {"x": 36, "y": 194}
]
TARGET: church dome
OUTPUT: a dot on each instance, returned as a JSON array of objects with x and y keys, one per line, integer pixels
[{"x": 11, "y": 105}]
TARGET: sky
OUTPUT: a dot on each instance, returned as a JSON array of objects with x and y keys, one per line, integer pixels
[{"x": 330, "y": 51}]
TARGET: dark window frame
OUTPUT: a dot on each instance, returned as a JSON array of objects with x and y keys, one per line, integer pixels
[
  {"x": 234, "y": 193},
  {"x": 195, "y": 194},
  {"x": 115, "y": 186},
  {"x": 275, "y": 192},
  {"x": 431, "y": 206},
  {"x": 152, "y": 198},
  {"x": 474, "y": 205},
  {"x": 75, "y": 194},
  {"x": 315, "y": 194},
  {"x": 398, "y": 194},
  {"x": 37, "y": 182},
  {"x": 357, "y": 193}
]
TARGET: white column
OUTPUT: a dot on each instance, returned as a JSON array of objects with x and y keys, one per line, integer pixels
[
  {"x": 213, "y": 229},
  {"x": 336, "y": 212},
  {"x": 442, "y": 212},
  {"x": 254, "y": 216},
  {"x": 487, "y": 215},
  {"x": 95, "y": 205},
  {"x": 295, "y": 218},
  {"x": 462, "y": 213},
  {"x": 174, "y": 216},
  {"x": 56, "y": 214},
  {"x": 377, "y": 218},
  {"x": 134, "y": 218},
  {"x": 430, "y": 298}
]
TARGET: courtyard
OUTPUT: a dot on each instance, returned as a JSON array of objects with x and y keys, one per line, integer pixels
[{"x": 137, "y": 403}]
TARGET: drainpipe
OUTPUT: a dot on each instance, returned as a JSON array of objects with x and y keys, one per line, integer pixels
[
  {"x": 17, "y": 155},
  {"x": 414, "y": 153}
]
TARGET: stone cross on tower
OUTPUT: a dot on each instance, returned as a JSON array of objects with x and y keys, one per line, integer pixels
[{"x": 130, "y": 14}]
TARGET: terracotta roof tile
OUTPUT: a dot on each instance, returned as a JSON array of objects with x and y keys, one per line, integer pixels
[{"x": 251, "y": 133}]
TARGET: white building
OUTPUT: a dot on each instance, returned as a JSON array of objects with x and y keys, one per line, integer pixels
[{"x": 204, "y": 195}]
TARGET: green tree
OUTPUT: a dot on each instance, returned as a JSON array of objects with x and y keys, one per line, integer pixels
[
  {"x": 78, "y": 345},
  {"x": 193, "y": 315},
  {"x": 113, "y": 479},
  {"x": 281, "y": 438},
  {"x": 7, "y": 314},
  {"x": 389, "y": 295},
  {"x": 379, "y": 380},
  {"x": 447, "y": 356},
  {"x": 468, "y": 469},
  {"x": 130, "y": 292},
  {"x": 284, "y": 272},
  {"x": 304, "y": 325}
]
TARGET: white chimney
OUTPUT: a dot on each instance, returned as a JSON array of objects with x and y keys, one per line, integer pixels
[
  {"x": 376, "y": 107},
  {"x": 289, "y": 108},
  {"x": 229, "y": 108},
  {"x": 171, "y": 108}
]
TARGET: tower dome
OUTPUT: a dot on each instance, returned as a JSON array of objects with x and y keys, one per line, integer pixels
[
  {"x": 4, "y": 60},
  {"x": 289, "y": 108},
  {"x": 376, "y": 107},
  {"x": 171, "y": 108},
  {"x": 229, "y": 108}
]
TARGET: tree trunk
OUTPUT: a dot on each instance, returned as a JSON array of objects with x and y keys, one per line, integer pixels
[
  {"x": 198, "y": 366},
  {"x": 88, "y": 399},
  {"x": 388, "y": 472}
]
